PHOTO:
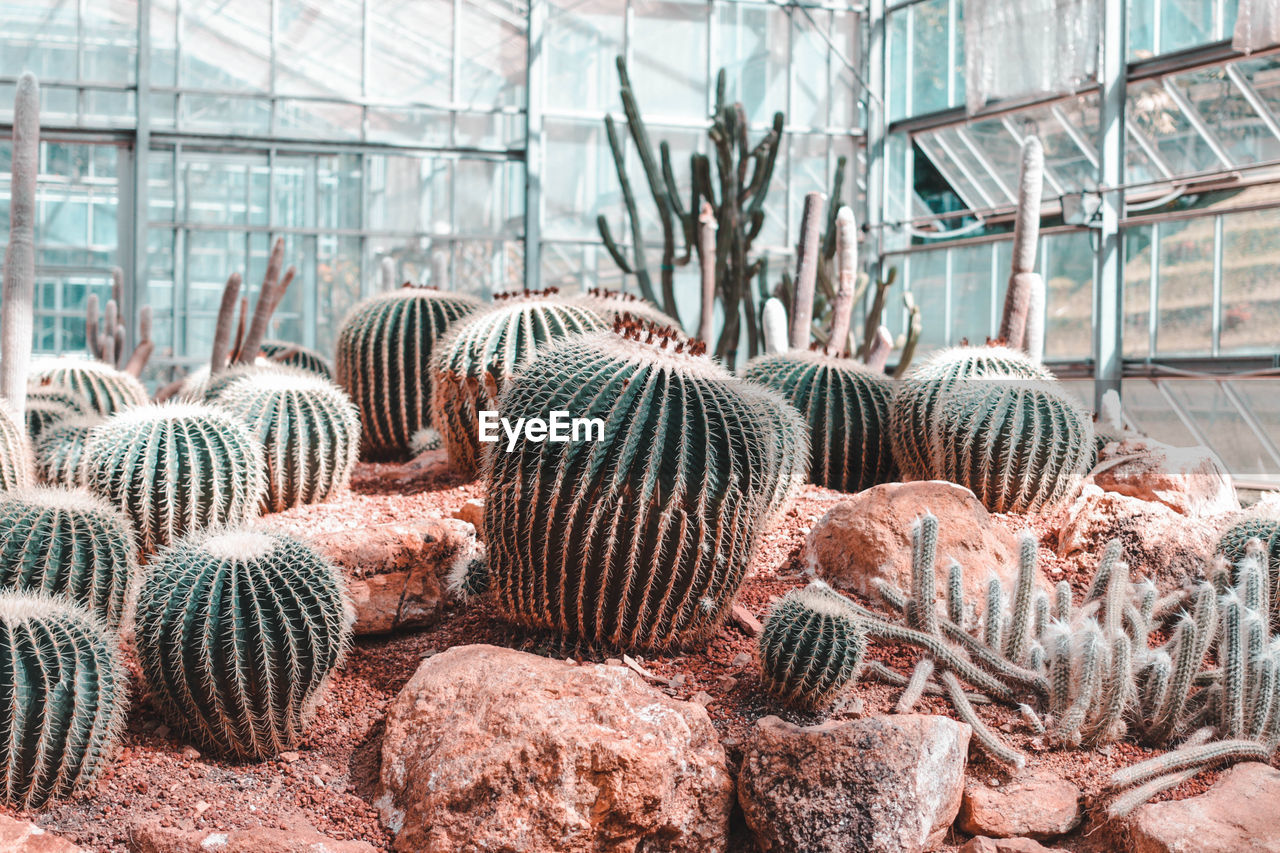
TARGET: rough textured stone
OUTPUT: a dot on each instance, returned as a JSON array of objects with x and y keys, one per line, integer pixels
[
  {"x": 1238, "y": 813},
  {"x": 1003, "y": 845},
  {"x": 494, "y": 749},
  {"x": 877, "y": 784},
  {"x": 23, "y": 836},
  {"x": 868, "y": 538},
  {"x": 1037, "y": 803},
  {"x": 151, "y": 837},
  {"x": 472, "y": 512},
  {"x": 396, "y": 573},
  {"x": 1189, "y": 480}
]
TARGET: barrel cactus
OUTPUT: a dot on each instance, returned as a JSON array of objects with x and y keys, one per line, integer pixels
[
  {"x": 425, "y": 440},
  {"x": 295, "y": 355},
  {"x": 65, "y": 696},
  {"x": 70, "y": 543},
  {"x": 43, "y": 412},
  {"x": 1265, "y": 528},
  {"x": 16, "y": 469},
  {"x": 846, "y": 406},
  {"x": 105, "y": 389},
  {"x": 279, "y": 614},
  {"x": 612, "y": 304},
  {"x": 175, "y": 468},
  {"x": 638, "y": 533},
  {"x": 310, "y": 433},
  {"x": 811, "y": 646},
  {"x": 61, "y": 447},
  {"x": 477, "y": 359},
  {"x": 383, "y": 361}
]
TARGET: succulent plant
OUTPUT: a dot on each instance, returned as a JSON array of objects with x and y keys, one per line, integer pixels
[
  {"x": 424, "y": 440},
  {"x": 641, "y": 537},
  {"x": 296, "y": 355},
  {"x": 385, "y": 348},
  {"x": 43, "y": 412},
  {"x": 16, "y": 470},
  {"x": 66, "y": 693},
  {"x": 474, "y": 362},
  {"x": 61, "y": 448},
  {"x": 175, "y": 468},
  {"x": 811, "y": 646},
  {"x": 237, "y": 633},
  {"x": 69, "y": 543},
  {"x": 105, "y": 389},
  {"x": 1266, "y": 529},
  {"x": 310, "y": 433},
  {"x": 612, "y": 304}
]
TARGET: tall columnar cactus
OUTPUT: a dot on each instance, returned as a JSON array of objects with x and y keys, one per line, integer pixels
[
  {"x": 106, "y": 389},
  {"x": 17, "y": 299},
  {"x": 475, "y": 361},
  {"x": 385, "y": 348},
  {"x": 16, "y": 457},
  {"x": 811, "y": 647},
  {"x": 916, "y": 402},
  {"x": 238, "y": 632},
  {"x": 60, "y": 450},
  {"x": 65, "y": 696},
  {"x": 296, "y": 355},
  {"x": 309, "y": 430},
  {"x": 175, "y": 468},
  {"x": 68, "y": 543},
  {"x": 641, "y": 537},
  {"x": 105, "y": 338},
  {"x": 1022, "y": 325},
  {"x": 612, "y": 304}
]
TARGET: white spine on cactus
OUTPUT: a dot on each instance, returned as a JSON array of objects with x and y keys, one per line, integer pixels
[
  {"x": 17, "y": 300},
  {"x": 774, "y": 324}
]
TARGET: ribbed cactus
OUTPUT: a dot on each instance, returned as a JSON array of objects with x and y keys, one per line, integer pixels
[
  {"x": 424, "y": 440},
  {"x": 176, "y": 468},
  {"x": 68, "y": 543},
  {"x": 612, "y": 304},
  {"x": 385, "y": 348},
  {"x": 60, "y": 396},
  {"x": 43, "y": 412},
  {"x": 65, "y": 695},
  {"x": 310, "y": 433},
  {"x": 237, "y": 633},
  {"x": 1267, "y": 531},
  {"x": 295, "y": 355},
  {"x": 60, "y": 449},
  {"x": 1019, "y": 446},
  {"x": 846, "y": 407},
  {"x": 474, "y": 362},
  {"x": 915, "y": 404},
  {"x": 811, "y": 647},
  {"x": 639, "y": 539},
  {"x": 15, "y": 453},
  {"x": 104, "y": 388}
]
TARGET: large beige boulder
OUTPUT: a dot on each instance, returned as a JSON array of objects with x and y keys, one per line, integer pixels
[
  {"x": 876, "y": 785},
  {"x": 493, "y": 749},
  {"x": 1237, "y": 813},
  {"x": 1189, "y": 480},
  {"x": 1036, "y": 803},
  {"x": 23, "y": 836}
]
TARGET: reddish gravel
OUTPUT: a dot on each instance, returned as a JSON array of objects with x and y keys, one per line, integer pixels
[{"x": 330, "y": 782}]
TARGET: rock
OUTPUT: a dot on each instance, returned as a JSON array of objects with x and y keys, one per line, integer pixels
[
  {"x": 1189, "y": 480},
  {"x": 868, "y": 538},
  {"x": 1237, "y": 813},
  {"x": 493, "y": 749},
  {"x": 1036, "y": 803},
  {"x": 23, "y": 836},
  {"x": 472, "y": 512},
  {"x": 1003, "y": 845},
  {"x": 877, "y": 784},
  {"x": 396, "y": 573},
  {"x": 151, "y": 837}
]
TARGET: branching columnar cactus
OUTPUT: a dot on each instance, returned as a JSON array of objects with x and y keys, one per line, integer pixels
[
  {"x": 385, "y": 347},
  {"x": 104, "y": 388},
  {"x": 61, "y": 448},
  {"x": 309, "y": 430},
  {"x": 68, "y": 543},
  {"x": 612, "y": 304},
  {"x": 640, "y": 538},
  {"x": 811, "y": 646},
  {"x": 295, "y": 355},
  {"x": 65, "y": 696},
  {"x": 175, "y": 468},
  {"x": 16, "y": 469},
  {"x": 474, "y": 362},
  {"x": 238, "y": 632}
]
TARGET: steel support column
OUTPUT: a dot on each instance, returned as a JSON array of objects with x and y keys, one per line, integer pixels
[
  {"x": 534, "y": 144},
  {"x": 876, "y": 139},
  {"x": 1108, "y": 290},
  {"x": 135, "y": 259}
]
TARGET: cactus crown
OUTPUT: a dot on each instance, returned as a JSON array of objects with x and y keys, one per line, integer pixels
[
  {"x": 612, "y": 304},
  {"x": 105, "y": 389},
  {"x": 296, "y": 355}
]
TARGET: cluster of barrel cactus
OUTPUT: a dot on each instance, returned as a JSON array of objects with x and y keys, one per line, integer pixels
[{"x": 105, "y": 389}]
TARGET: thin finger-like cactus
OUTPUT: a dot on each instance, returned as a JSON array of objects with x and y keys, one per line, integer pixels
[
  {"x": 385, "y": 348},
  {"x": 16, "y": 456},
  {"x": 477, "y": 359},
  {"x": 641, "y": 537},
  {"x": 175, "y": 468},
  {"x": 810, "y": 647},
  {"x": 61, "y": 448},
  {"x": 66, "y": 694},
  {"x": 295, "y": 355},
  {"x": 68, "y": 543},
  {"x": 237, "y": 633},
  {"x": 106, "y": 389}
]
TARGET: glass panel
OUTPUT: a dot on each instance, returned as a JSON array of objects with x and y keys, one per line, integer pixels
[
  {"x": 411, "y": 51},
  {"x": 494, "y": 53},
  {"x": 1264, "y": 75},
  {"x": 1250, "y": 290},
  {"x": 1186, "y": 287},
  {"x": 39, "y": 37},
  {"x": 226, "y": 45},
  {"x": 751, "y": 45},
  {"x": 322, "y": 119},
  {"x": 897, "y": 75},
  {"x": 582, "y": 41},
  {"x": 1235, "y": 124},
  {"x": 931, "y": 73},
  {"x": 1068, "y": 276},
  {"x": 928, "y": 283},
  {"x": 585, "y": 184},
  {"x": 409, "y": 194},
  {"x": 338, "y": 285},
  {"x": 1155, "y": 114},
  {"x": 1137, "y": 292},
  {"x": 1151, "y": 413},
  {"x": 664, "y": 29},
  {"x": 972, "y": 271},
  {"x": 320, "y": 44},
  {"x": 1221, "y": 424}
]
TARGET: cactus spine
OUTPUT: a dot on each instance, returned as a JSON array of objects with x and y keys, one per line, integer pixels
[
  {"x": 60, "y": 449},
  {"x": 238, "y": 632},
  {"x": 175, "y": 468},
  {"x": 16, "y": 469},
  {"x": 811, "y": 647},
  {"x": 385, "y": 346},
  {"x": 105, "y": 389},
  {"x": 65, "y": 691}
]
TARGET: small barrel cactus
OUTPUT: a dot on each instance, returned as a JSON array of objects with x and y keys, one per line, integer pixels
[
  {"x": 237, "y": 633},
  {"x": 475, "y": 361},
  {"x": 612, "y": 304},
  {"x": 384, "y": 350},
  {"x": 810, "y": 647},
  {"x": 65, "y": 696},
  {"x": 1020, "y": 446},
  {"x": 16, "y": 469},
  {"x": 105, "y": 389},
  {"x": 310, "y": 433},
  {"x": 1267, "y": 530},
  {"x": 638, "y": 533},
  {"x": 175, "y": 468},
  {"x": 60, "y": 449},
  {"x": 70, "y": 543},
  {"x": 424, "y": 440},
  {"x": 295, "y": 355},
  {"x": 846, "y": 406}
]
